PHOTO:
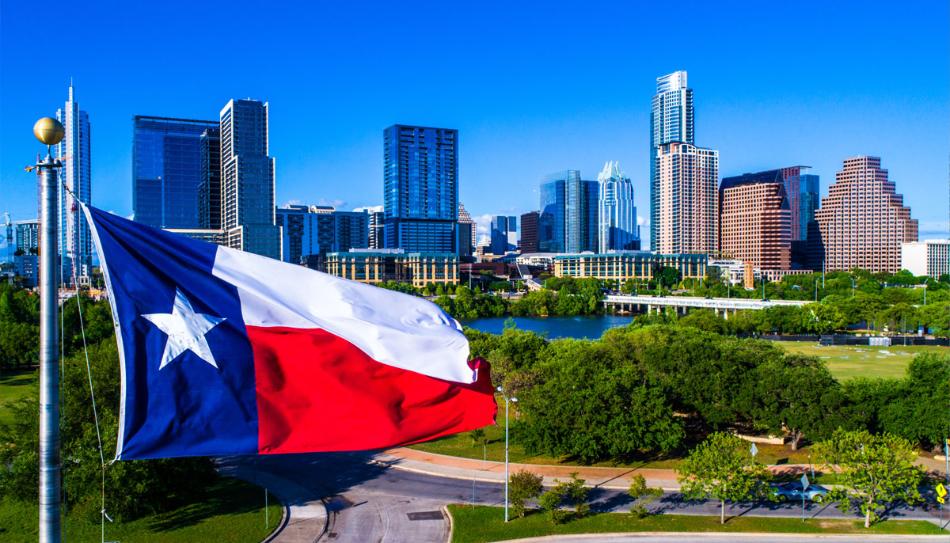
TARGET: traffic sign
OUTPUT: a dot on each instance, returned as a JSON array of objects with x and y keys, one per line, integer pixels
[
  {"x": 941, "y": 490},
  {"x": 805, "y": 482}
]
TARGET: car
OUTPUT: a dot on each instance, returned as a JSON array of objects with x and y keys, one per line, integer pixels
[{"x": 793, "y": 491}]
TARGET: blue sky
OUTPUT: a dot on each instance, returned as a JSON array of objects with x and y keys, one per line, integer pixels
[{"x": 532, "y": 87}]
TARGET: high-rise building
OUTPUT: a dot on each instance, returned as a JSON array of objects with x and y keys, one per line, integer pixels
[
  {"x": 529, "y": 232},
  {"x": 617, "y": 213},
  {"x": 318, "y": 230},
  {"x": 468, "y": 232},
  {"x": 568, "y": 216},
  {"x": 671, "y": 120},
  {"x": 377, "y": 229},
  {"x": 247, "y": 179},
  {"x": 802, "y": 189},
  {"x": 684, "y": 200},
  {"x": 74, "y": 152},
  {"x": 209, "y": 188},
  {"x": 420, "y": 177},
  {"x": 166, "y": 170},
  {"x": 755, "y": 220},
  {"x": 27, "y": 236},
  {"x": 502, "y": 229},
  {"x": 929, "y": 258},
  {"x": 863, "y": 221}
]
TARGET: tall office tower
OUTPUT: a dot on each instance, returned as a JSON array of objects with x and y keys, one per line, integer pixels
[
  {"x": 74, "y": 152},
  {"x": 568, "y": 216},
  {"x": 801, "y": 188},
  {"x": 617, "y": 213},
  {"x": 529, "y": 232},
  {"x": 420, "y": 177},
  {"x": 502, "y": 229},
  {"x": 468, "y": 232},
  {"x": 685, "y": 200},
  {"x": 247, "y": 179},
  {"x": 317, "y": 230},
  {"x": 27, "y": 236},
  {"x": 166, "y": 170},
  {"x": 756, "y": 220},
  {"x": 209, "y": 188},
  {"x": 377, "y": 230},
  {"x": 671, "y": 121},
  {"x": 863, "y": 221}
]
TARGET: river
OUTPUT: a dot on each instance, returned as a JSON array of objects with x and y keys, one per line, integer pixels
[{"x": 588, "y": 327}]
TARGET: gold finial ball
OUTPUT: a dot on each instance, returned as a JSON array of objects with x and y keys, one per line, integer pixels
[{"x": 49, "y": 131}]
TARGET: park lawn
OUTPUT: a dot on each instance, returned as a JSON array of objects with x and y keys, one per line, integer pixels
[
  {"x": 14, "y": 386},
  {"x": 482, "y": 524},
  {"x": 231, "y": 512},
  {"x": 849, "y": 361}
]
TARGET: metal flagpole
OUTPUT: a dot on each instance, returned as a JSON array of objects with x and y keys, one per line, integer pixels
[{"x": 50, "y": 132}]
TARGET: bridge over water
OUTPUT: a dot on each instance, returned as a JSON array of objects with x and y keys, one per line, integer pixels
[{"x": 625, "y": 302}]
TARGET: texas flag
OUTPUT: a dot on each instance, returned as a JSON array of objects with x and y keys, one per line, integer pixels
[{"x": 224, "y": 352}]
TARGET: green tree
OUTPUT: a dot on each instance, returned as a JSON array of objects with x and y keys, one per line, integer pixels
[
  {"x": 642, "y": 496},
  {"x": 572, "y": 493},
  {"x": 522, "y": 486},
  {"x": 876, "y": 471},
  {"x": 722, "y": 468},
  {"x": 667, "y": 277},
  {"x": 921, "y": 411}
]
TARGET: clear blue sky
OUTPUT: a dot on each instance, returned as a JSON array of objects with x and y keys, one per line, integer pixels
[{"x": 532, "y": 88}]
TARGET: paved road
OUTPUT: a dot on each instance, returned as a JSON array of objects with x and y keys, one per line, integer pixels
[{"x": 370, "y": 501}]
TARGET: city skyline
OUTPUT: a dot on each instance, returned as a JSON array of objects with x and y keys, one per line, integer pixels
[{"x": 827, "y": 114}]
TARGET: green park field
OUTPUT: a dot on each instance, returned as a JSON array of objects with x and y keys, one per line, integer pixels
[
  {"x": 482, "y": 524},
  {"x": 847, "y": 362},
  {"x": 13, "y": 387}
]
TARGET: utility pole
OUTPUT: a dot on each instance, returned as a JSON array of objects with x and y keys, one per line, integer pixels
[{"x": 49, "y": 131}]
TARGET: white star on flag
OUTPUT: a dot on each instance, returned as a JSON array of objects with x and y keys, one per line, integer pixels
[{"x": 185, "y": 329}]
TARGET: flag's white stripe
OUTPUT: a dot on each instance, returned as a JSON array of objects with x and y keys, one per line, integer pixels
[
  {"x": 123, "y": 388},
  {"x": 392, "y": 328}
]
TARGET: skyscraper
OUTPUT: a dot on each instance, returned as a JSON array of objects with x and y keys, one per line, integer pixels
[
  {"x": 529, "y": 232},
  {"x": 420, "y": 185},
  {"x": 863, "y": 221},
  {"x": 502, "y": 227},
  {"x": 685, "y": 200},
  {"x": 468, "y": 232},
  {"x": 166, "y": 170},
  {"x": 74, "y": 153},
  {"x": 377, "y": 230},
  {"x": 247, "y": 179},
  {"x": 671, "y": 120},
  {"x": 617, "y": 213},
  {"x": 209, "y": 188},
  {"x": 568, "y": 216},
  {"x": 756, "y": 219},
  {"x": 318, "y": 230},
  {"x": 27, "y": 236}
]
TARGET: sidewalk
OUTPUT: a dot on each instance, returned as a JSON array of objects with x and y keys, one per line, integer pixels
[{"x": 603, "y": 477}]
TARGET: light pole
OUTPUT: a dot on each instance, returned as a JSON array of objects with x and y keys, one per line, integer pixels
[
  {"x": 50, "y": 132},
  {"x": 852, "y": 288},
  {"x": 508, "y": 400},
  {"x": 816, "y": 291}
]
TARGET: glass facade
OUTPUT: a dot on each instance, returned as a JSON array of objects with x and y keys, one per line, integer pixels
[
  {"x": 568, "y": 220},
  {"x": 420, "y": 183},
  {"x": 671, "y": 120},
  {"x": 618, "y": 230},
  {"x": 503, "y": 230},
  {"x": 74, "y": 151},
  {"x": 312, "y": 230},
  {"x": 209, "y": 189},
  {"x": 167, "y": 171}
]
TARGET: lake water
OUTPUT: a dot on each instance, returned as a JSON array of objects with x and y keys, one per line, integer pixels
[{"x": 588, "y": 327}]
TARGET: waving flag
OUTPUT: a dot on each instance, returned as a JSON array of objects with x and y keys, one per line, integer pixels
[{"x": 226, "y": 352}]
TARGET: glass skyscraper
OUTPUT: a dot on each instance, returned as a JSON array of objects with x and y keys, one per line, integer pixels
[
  {"x": 209, "y": 189},
  {"x": 247, "y": 179},
  {"x": 166, "y": 170},
  {"x": 568, "y": 217},
  {"x": 318, "y": 230},
  {"x": 617, "y": 214},
  {"x": 503, "y": 231},
  {"x": 671, "y": 120},
  {"x": 74, "y": 152},
  {"x": 420, "y": 185}
]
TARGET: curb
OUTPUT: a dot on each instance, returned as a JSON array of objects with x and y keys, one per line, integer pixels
[
  {"x": 445, "y": 511},
  {"x": 689, "y": 536},
  {"x": 284, "y": 520}
]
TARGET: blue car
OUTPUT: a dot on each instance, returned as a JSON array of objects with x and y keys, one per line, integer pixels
[{"x": 793, "y": 492}]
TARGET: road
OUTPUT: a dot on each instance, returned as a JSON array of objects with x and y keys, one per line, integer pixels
[{"x": 367, "y": 500}]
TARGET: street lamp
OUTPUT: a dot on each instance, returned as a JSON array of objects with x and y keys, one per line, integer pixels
[{"x": 508, "y": 400}]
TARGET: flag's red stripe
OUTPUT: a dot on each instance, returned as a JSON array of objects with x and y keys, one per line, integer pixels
[{"x": 318, "y": 392}]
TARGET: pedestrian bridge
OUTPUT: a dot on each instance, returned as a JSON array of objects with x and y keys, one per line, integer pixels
[{"x": 638, "y": 302}]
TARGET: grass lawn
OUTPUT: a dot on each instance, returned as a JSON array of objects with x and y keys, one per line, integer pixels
[
  {"x": 479, "y": 524},
  {"x": 14, "y": 386},
  {"x": 231, "y": 512},
  {"x": 849, "y": 361}
]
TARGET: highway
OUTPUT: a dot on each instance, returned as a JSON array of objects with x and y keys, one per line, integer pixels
[{"x": 367, "y": 500}]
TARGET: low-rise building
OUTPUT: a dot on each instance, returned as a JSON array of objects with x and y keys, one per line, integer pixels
[
  {"x": 376, "y": 266},
  {"x": 624, "y": 265},
  {"x": 930, "y": 257}
]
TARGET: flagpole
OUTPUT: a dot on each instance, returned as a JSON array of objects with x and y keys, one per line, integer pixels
[{"x": 50, "y": 132}]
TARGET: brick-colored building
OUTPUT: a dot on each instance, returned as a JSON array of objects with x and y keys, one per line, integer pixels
[
  {"x": 755, "y": 220},
  {"x": 684, "y": 200},
  {"x": 418, "y": 269},
  {"x": 863, "y": 221}
]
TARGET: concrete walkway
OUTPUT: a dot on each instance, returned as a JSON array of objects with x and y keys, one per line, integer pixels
[{"x": 664, "y": 537}]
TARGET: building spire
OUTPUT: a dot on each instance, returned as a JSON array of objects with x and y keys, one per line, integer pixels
[{"x": 70, "y": 88}]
